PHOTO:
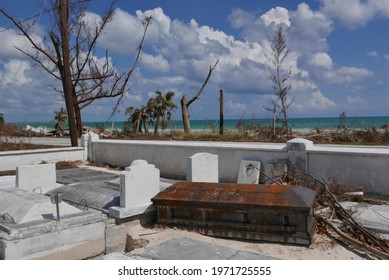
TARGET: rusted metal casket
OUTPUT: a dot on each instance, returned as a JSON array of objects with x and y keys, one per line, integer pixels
[{"x": 276, "y": 213}]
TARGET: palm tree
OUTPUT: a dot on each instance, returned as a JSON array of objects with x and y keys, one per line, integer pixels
[
  {"x": 61, "y": 117},
  {"x": 139, "y": 117},
  {"x": 135, "y": 118},
  {"x": 163, "y": 105}
]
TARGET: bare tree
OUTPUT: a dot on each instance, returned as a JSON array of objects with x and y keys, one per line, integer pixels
[
  {"x": 280, "y": 77},
  {"x": 71, "y": 58},
  {"x": 186, "y": 103}
]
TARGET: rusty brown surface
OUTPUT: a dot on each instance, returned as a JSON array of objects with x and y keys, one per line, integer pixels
[
  {"x": 274, "y": 213},
  {"x": 238, "y": 194}
]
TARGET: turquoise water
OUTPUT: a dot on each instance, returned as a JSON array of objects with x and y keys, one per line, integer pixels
[{"x": 297, "y": 124}]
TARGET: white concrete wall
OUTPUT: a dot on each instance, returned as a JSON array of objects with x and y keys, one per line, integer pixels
[
  {"x": 10, "y": 160},
  {"x": 170, "y": 156},
  {"x": 364, "y": 166}
]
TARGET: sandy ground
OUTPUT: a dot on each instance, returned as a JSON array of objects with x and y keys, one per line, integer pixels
[{"x": 322, "y": 248}]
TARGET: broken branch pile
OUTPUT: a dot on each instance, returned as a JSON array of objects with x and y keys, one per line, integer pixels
[{"x": 336, "y": 221}]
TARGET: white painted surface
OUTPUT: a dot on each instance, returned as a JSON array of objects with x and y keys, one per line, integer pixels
[
  {"x": 202, "y": 167},
  {"x": 356, "y": 166},
  {"x": 138, "y": 184},
  {"x": 249, "y": 172},
  {"x": 10, "y": 160},
  {"x": 170, "y": 156},
  {"x": 42, "y": 176}
]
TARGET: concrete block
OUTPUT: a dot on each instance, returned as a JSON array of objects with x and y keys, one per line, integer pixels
[
  {"x": 114, "y": 256},
  {"x": 297, "y": 154},
  {"x": 274, "y": 171},
  {"x": 41, "y": 177},
  {"x": 7, "y": 181},
  {"x": 249, "y": 172},
  {"x": 138, "y": 184},
  {"x": 77, "y": 236},
  {"x": 87, "y": 140},
  {"x": 183, "y": 248},
  {"x": 203, "y": 167},
  {"x": 115, "y": 238}
]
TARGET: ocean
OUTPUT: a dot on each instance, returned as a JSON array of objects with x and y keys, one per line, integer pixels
[{"x": 296, "y": 124}]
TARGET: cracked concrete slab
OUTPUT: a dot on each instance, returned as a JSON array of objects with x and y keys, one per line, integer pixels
[
  {"x": 183, "y": 248},
  {"x": 78, "y": 175},
  {"x": 374, "y": 217}
]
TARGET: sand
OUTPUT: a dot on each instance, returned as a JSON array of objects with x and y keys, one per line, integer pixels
[{"x": 322, "y": 247}]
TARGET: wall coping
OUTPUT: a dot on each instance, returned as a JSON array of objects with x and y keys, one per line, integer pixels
[
  {"x": 205, "y": 144},
  {"x": 40, "y": 151},
  {"x": 367, "y": 150}
]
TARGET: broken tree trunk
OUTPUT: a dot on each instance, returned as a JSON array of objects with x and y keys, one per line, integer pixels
[
  {"x": 221, "y": 128},
  {"x": 186, "y": 103},
  {"x": 185, "y": 114}
]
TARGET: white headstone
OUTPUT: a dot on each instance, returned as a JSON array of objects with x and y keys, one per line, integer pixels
[
  {"x": 202, "y": 167},
  {"x": 39, "y": 178},
  {"x": 249, "y": 172},
  {"x": 138, "y": 184}
]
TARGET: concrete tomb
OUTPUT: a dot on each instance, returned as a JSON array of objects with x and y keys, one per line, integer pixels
[
  {"x": 40, "y": 178},
  {"x": 23, "y": 206},
  {"x": 29, "y": 228},
  {"x": 202, "y": 167},
  {"x": 249, "y": 172},
  {"x": 274, "y": 213},
  {"x": 138, "y": 184}
]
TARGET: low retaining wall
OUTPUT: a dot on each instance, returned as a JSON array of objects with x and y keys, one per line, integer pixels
[
  {"x": 170, "y": 156},
  {"x": 362, "y": 166},
  {"x": 10, "y": 160}
]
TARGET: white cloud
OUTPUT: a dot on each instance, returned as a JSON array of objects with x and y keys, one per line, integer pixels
[
  {"x": 123, "y": 34},
  {"x": 240, "y": 18},
  {"x": 235, "y": 108},
  {"x": 184, "y": 52},
  {"x": 15, "y": 73},
  {"x": 10, "y": 39},
  {"x": 177, "y": 57},
  {"x": 309, "y": 30},
  {"x": 321, "y": 66},
  {"x": 355, "y": 13},
  {"x": 386, "y": 56},
  {"x": 320, "y": 102},
  {"x": 356, "y": 102},
  {"x": 352, "y": 74},
  {"x": 155, "y": 63},
  {"x": 321, "y": 60},
  {"x": 278, "y": 15},
  {"x": 372, "y": 53}
]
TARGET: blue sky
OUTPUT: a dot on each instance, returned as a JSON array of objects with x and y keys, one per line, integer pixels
[{"x": 338, "y": 53}]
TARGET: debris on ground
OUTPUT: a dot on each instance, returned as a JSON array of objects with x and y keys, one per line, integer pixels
[{"x": 337, "y": 221}]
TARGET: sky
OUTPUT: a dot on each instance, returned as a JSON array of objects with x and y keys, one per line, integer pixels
[{"x": 338, "y": 55}]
